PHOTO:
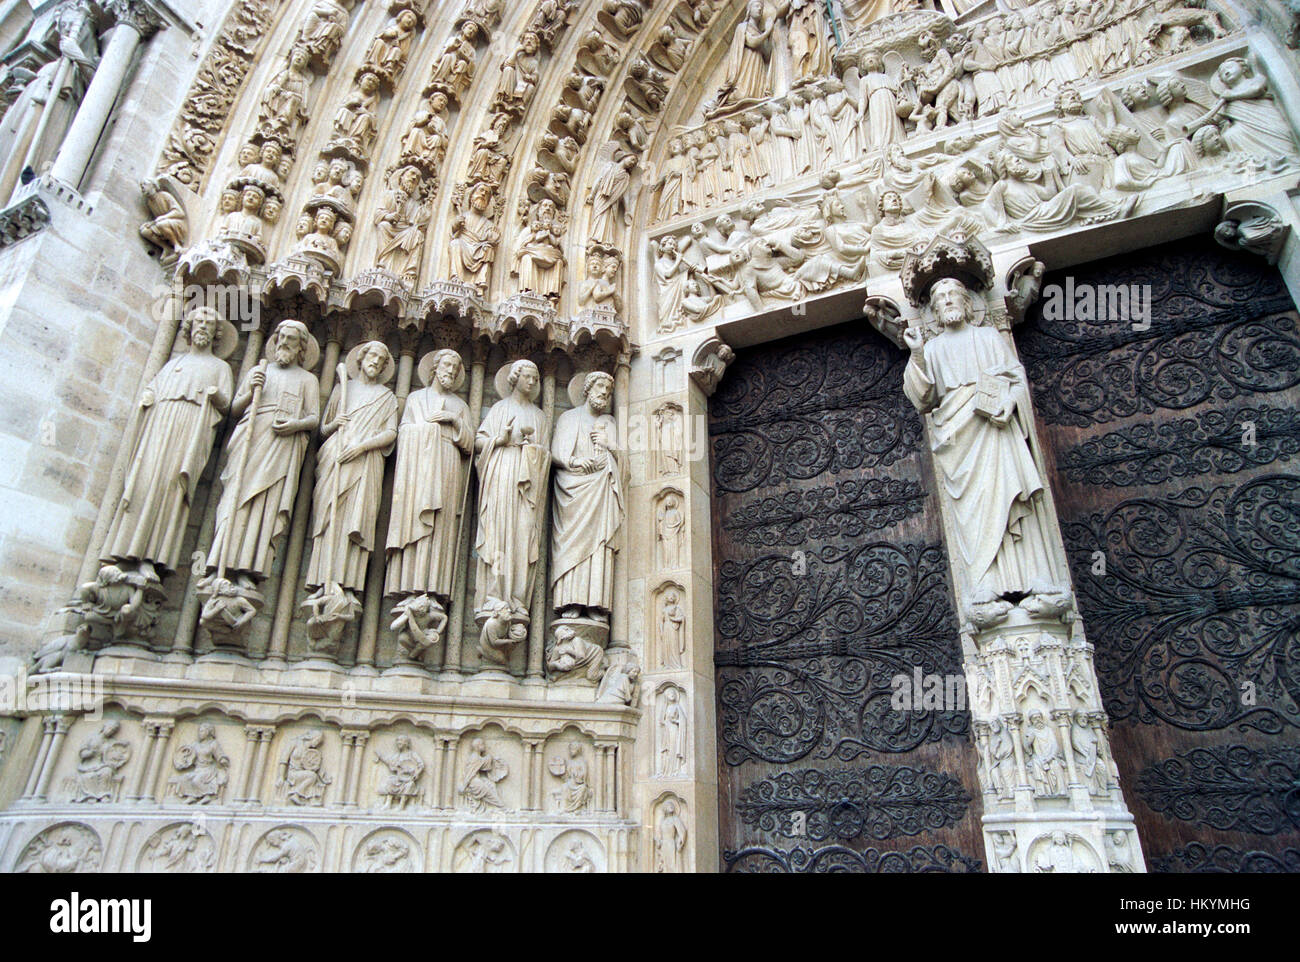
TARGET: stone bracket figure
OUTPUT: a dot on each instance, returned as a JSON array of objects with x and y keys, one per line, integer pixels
[
  {"x": 418, "y": 621},
  {"x": 576, "y": 654}
]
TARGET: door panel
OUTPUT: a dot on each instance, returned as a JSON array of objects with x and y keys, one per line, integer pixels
[
  {"x": 1176, "y": 478},
  {"x": 830, "y": 580}
]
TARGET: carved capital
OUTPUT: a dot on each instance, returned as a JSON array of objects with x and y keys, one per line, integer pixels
[{"x": 137, "y": 15}]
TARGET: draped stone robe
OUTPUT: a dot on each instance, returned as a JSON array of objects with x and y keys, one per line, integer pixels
[
  {"x": 172, "y": 446},
  {"x": 588, "y": 511},
  {"x": 345, "y": 507},
  {"x": 428, "y": 495},
  {"x": 271, "y": 479},
  {"x": 512, "y": 491},
  {"x": 989, "y": 473}
]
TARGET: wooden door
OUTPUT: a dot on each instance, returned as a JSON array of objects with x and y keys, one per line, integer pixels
[
  {"x": 1176, "y": 476},
  {"x": 830, "y": 581}
]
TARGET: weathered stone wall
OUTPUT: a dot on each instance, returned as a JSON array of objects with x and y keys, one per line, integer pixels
[{"x": 78, "y": 302}]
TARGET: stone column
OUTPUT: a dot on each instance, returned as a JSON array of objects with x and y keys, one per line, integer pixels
[
  {"x": 257, "y": 769},
  {"x": 618, "y": 633},
  {"x": 359, "y": 739},
  {"x": 56, "y": 732},
  {"x": 277, "y": 652},
  {"x": 537, "y": 613},
  {"x": 447, "y": 775},
  {"x": 252, "y": 738},
  {"x": 135, "y": 22},
  {"x": 53, "y": 730},
  {"x": 137, "y": 790},
  {"x": 451, "y": 660},
  {"x": 161, "y": 730},
  {"x": 533, "y": 765}
]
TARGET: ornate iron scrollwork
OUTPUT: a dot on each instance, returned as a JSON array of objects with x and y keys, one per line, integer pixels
[
  {"x": 874, "y": 801},
  {"x": 806, "y": 662},
  {"x": 1201, "y": 592},
  {"x": 1222, "y": 332},
  {"x": 838, "y": 858},
  {"x": 847, "y": 509},
  {"x": 1198, "y": 858},
  {"x": 1234, "y": 788},
  {"x": 1210, "y": 442},
  {"x": 815, "y": 409}
]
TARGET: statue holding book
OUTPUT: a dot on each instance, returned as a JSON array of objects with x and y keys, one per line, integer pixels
[{"x": 969, "y": 381}]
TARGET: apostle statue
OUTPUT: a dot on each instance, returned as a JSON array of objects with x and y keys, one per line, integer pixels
[
  {"x": 180, "y": 412},
  {"x": 968, "y": 379},
  {"x": 589, "y": 506},
  {"x": 513, "y": 463},
  {"x": 360, "y": 428},
  {"x": 278, "y": 407},
  {"x": 434, "y": 443}
]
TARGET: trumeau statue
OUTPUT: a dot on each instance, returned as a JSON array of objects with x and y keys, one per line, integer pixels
[
  {"x": 180, "y": 412},
  {"x": 513, "y": 463},
  {"x": 434, "y": 443},
  {"x": 589, "y": 502},
  {"x": 974, "y": 389},
  {"x": 360, "y": 428},
  {"x": 278, "y": 407}
]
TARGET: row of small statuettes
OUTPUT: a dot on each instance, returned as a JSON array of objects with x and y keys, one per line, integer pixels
[
  {"x": 755, "y": 140},
  {"x": 275, "y": 412}
]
